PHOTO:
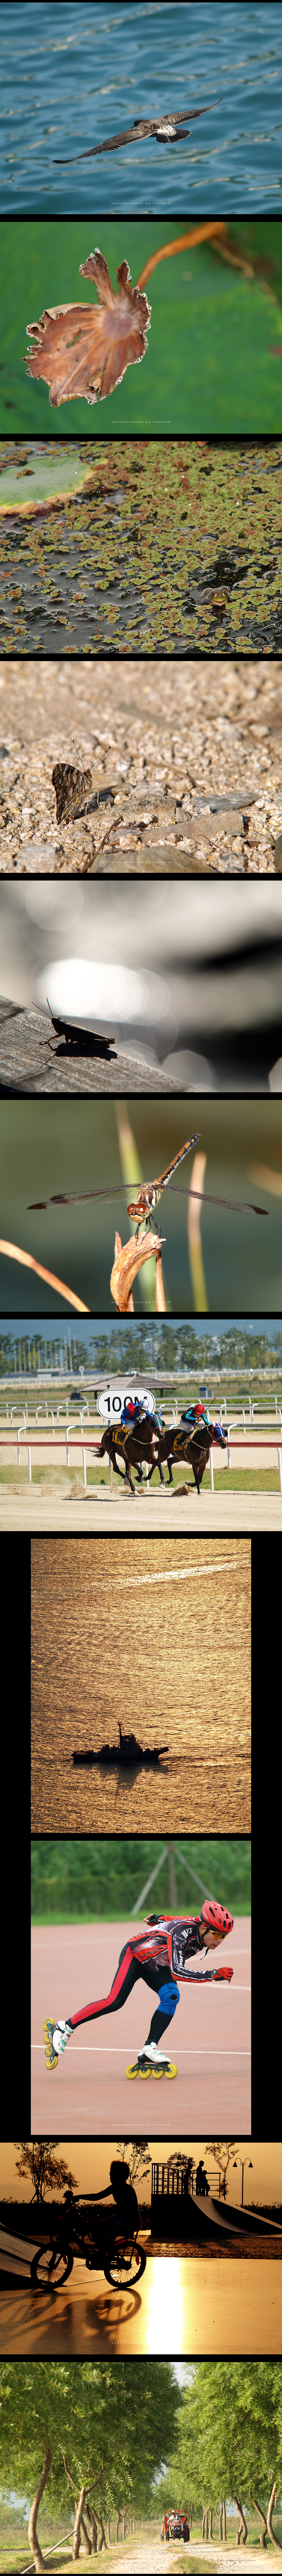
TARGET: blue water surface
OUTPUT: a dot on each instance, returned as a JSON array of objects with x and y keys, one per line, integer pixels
[{"x": 71, "y": 75}]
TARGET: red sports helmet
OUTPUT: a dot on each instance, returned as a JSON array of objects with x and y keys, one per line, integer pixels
[
  {"x": 216, "y": 1917},
  {"x": 199, "y": 1408}
]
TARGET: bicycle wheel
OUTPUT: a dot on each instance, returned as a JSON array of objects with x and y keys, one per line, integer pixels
[
  {"x": 124, "y": 2271},
  {"x": 51, "y": 2269}
]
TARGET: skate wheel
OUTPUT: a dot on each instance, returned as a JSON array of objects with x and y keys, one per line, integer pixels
[
  {"x": 50, "y": 2061},
  {"x": 131, "y": 2071},
  {"x": 157, "y": 2072},
  {"x": 145, "y": 2072},
  {"x": 171, "y": 2070}
]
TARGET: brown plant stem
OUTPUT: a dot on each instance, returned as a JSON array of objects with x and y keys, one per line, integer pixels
[
  {"x": 15, "y": 1254},
  {"x": 160, "y": 1294},
  {"x": 128, "y": 1261},
  {"x": 118, "y": 1248},
  {"x": 185, "y": 241}
]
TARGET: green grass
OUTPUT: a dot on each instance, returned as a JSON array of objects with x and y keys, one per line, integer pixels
[
  {"x": 76, "y": 1880},
  {"x": 251, "y": 1480}
]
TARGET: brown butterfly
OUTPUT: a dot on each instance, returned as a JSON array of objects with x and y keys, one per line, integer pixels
[
  {"x": 85, "y": 348},
  {"x": 72, "y": 786}
]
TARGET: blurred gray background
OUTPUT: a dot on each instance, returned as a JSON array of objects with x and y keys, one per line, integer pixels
[{"x": 188, "y": 977}]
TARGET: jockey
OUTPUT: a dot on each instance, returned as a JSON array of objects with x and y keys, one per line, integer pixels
[
  {"x": 196, "y": 1415},
  {"x": 159, "y": 1955},
  {"x": 133, "y": 1411}
]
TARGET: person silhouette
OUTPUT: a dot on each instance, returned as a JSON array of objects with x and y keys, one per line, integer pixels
[{"x": 202, "y": 2184}]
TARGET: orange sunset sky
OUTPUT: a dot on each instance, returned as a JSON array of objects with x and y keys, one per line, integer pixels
[{"x": 89, "y": 2164}]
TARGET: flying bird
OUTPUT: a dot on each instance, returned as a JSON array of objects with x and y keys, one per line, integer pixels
[{"x": 163, "y": 127}]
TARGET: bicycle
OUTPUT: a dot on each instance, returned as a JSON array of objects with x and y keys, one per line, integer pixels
[{"x": 122, "y": 2261}]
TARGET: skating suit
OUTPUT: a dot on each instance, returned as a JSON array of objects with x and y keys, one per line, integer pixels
[{"x": 159, "y": 1954}]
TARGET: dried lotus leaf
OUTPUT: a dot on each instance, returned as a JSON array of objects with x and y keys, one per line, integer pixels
[{"x": 84, "y": 349}]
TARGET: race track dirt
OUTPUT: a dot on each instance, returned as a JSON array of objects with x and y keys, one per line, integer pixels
[
  {"x": 88, "y": 2092},
  {"x": 158, "y": 1635}
]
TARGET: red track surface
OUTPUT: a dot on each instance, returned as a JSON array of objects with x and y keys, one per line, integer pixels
[{"x": 88, "y": 2093}]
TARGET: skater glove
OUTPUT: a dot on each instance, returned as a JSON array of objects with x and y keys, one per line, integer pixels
[{"x": 223, "y": 1972}]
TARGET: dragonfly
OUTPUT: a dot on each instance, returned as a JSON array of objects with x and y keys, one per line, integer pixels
[
  {"x": 163, "y": 127},
  {"x": 148, "y": 1193}
]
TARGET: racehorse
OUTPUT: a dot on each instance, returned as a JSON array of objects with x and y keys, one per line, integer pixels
[
  {"x": 134, "y": 1445},
  {"x": 154, "y": 1446},
  {"x": 193, "y": 1445}
]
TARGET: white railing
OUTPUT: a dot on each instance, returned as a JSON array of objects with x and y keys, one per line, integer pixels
[{"x": 74, "y": 1443}]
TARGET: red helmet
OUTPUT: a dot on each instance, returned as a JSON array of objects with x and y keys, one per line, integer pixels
[
  {"x": 216, "y": 1917},
  {"x": 199, "y": 1408}
]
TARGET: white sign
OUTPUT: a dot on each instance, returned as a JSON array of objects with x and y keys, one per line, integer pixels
[{"x": 112, "y": 1397}]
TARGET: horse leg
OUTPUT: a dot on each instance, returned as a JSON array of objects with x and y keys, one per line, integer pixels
[{"x": 128, "y": 1477}]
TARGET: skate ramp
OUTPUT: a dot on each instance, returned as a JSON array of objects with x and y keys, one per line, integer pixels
[{"x": 206, "y": 2218}]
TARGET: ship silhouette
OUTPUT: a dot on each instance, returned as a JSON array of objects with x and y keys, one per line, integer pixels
[{"x": 128, "y": 1750}]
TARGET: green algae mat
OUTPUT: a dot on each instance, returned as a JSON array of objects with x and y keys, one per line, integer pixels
[{"x": 156, "y": 546}]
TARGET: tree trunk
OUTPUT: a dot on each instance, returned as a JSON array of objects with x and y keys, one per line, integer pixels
[
  {"x": 261, "y": 2518},
  {"x": 32, "y": 2533},
  {"x": 224, "y": 2518},
  {"x": 80, "y": 2526},
  {"x": 220, "y": 2521},
  {"x": 210, "y": 2528},
  {"x": 117, "y": 2525},
  {"x": 108, "y": 2530},
  {"x": 93, "y": 2526},
  {"x": 272, "y": 2502},
  {"x": 103, "y": 2543},
  {"x": 243, "y": 2530},
  {"x": 203, "y": 2526},
  {"x": 124, "y": 2522}
]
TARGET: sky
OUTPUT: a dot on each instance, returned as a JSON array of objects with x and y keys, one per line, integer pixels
[
  {"x": 90, "y": 2164},
  {"x": 26, "y": 1325}
]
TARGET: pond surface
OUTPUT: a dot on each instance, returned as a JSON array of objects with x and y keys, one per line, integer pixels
[{"x": 169, "y": 546}]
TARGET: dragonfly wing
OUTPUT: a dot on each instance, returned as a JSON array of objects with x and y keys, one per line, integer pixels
[
  {"x": 239, "y": 1207},
  {"x": 72, "y": 1198}
]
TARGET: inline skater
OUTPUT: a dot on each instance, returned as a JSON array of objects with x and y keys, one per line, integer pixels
[{"x": 160, "y": 1954}]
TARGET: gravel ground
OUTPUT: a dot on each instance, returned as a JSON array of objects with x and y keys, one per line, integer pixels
[{"x": 200, "y": 730}]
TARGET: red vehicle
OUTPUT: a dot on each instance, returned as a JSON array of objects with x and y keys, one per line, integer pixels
[{"x": 175, "y": 2525}]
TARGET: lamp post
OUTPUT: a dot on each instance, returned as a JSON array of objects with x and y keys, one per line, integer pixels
[{"x": 243, "y": 2160}]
